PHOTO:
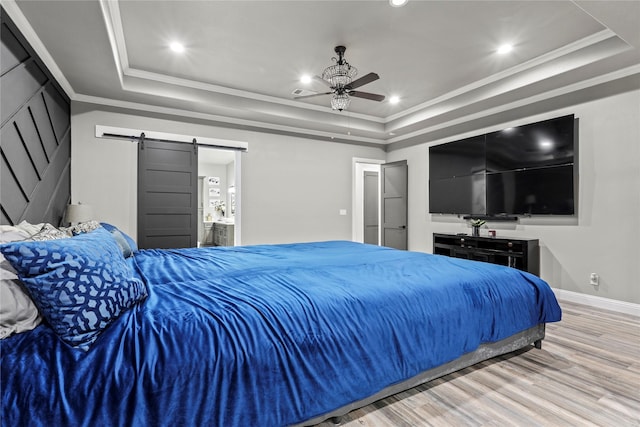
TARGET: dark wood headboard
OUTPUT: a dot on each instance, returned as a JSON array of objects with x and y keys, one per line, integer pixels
[{"x": 35, "y": 147}]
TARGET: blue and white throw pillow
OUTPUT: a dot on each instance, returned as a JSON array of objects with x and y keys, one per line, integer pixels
[{"x": 80, "y": 284}]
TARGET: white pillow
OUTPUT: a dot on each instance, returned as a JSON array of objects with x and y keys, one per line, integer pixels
[
  {"x": 30, "y": 228},
  {"x": 18, "y": 313}
]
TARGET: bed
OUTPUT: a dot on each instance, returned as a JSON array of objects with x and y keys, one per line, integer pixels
[{"x": 269, "y": 335}]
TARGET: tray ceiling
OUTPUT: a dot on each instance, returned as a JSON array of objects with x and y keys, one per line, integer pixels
[{"x": 244, "y": 59}]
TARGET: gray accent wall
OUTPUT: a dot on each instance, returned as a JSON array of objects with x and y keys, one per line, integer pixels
[{"x": 35, "y": 139}]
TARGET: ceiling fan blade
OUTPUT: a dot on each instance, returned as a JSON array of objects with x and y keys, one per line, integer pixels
[
  {"x": 368, "y": 78},
  {"x": 321, "y": 80},
  {"x": 367, "y": 95},
  {"x": 311, "y": 96}
]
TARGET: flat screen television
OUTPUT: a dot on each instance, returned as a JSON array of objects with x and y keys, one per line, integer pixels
[
  {"x": 547, "y": 143},
  {"x": 469, "y": 194},
  {"x": 536, "y": 191},
  {"x": 459, "y": 158},
  {"x": 524, "y": 170}
]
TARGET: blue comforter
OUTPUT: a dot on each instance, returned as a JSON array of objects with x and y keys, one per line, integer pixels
[{"x": 267, "y": 335}]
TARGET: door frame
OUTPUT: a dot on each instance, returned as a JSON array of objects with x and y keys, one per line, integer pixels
[
  {"x": 237, "y": 160},
  {"x": 237, "y": 229},
  {"x": 360, "y": 165}
]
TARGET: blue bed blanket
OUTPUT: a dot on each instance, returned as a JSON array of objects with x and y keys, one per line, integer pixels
[{"x": 267, "y": 335}]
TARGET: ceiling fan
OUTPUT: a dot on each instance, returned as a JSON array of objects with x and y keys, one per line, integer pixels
[{"x": 339, "y": 78}]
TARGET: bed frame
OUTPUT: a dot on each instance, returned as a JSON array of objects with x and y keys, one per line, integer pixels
[{"x": 533, "y": 335}]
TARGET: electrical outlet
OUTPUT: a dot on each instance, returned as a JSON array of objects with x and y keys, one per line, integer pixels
[{"x": 594, "y": 279}]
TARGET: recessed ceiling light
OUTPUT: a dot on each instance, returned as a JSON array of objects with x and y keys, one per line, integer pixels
[
  {"x": 394, "y": 99},
  {"x": 398, "y": 3},
  {"x": 176, "y": 47},
  {"x": 305, "y": 79},
  {"x": 505, "y": 48}
]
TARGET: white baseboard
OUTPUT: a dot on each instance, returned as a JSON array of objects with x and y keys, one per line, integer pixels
[{"x": 599, "y": 302}]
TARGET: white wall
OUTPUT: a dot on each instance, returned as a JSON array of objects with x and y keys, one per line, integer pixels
[
  {"x": 604, "y": 237},
  {"x": 292, "y": 188},
  {"x": 295, "y": 188}
]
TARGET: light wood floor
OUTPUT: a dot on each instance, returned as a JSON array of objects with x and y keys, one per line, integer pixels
[{"x": 586, "y": 374}]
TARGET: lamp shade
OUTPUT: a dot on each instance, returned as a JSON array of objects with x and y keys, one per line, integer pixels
[{"x": 79, "y": 213}]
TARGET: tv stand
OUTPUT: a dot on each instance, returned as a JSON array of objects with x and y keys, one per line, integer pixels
[{"x": 523, "y": 254}]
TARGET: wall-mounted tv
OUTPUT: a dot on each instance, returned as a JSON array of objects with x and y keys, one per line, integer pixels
[{"x": 524, "y": 170}]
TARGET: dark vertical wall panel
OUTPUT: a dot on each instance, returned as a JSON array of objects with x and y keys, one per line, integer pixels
[
  {"x": 58, "y": 109},
  {"x": 16, "y": 154},
  {"x": 35, "y": 129},
  {"x": 31, "y": 140},
  {"x": 14, "y": 201},
  {"x": 43, "y": 124},
  {"x": 18, "y": 86}
]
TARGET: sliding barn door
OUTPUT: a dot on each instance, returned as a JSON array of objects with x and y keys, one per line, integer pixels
[
  {"x": 394, "y": 205},
  {"x": 167, "y": 195}
]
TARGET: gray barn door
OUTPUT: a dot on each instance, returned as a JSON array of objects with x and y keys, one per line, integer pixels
[
  {"x": 371, "y": 202},
  {"x": 394, "y": 205},
  {"x": 167, "y": 195}
]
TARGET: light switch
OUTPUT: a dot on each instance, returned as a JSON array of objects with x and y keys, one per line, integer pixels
[{"x": 343, "y": 211}]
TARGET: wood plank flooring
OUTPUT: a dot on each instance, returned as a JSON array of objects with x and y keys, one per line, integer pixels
[{"x": 586, "y": 374}]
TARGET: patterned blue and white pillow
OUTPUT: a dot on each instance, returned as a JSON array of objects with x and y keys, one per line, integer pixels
[{"x": 81, "y": 284}]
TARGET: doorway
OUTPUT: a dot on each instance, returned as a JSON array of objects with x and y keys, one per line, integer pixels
[
  {"x": 379, "y": 203},
  {"x": 218, "y": 197},
  {"x": 366, "y": 201}
]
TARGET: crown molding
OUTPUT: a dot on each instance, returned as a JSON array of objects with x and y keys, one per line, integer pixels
[{"x": 218, "y": 120}]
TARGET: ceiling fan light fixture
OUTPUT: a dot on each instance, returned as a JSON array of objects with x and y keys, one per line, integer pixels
[
  {"x": 339, "y": 75},
  {"x": 340, "y": 101},
  {"x": 342, "y": 86}
]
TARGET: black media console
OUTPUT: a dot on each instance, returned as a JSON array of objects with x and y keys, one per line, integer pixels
[{"x": 523, "y": 254}]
